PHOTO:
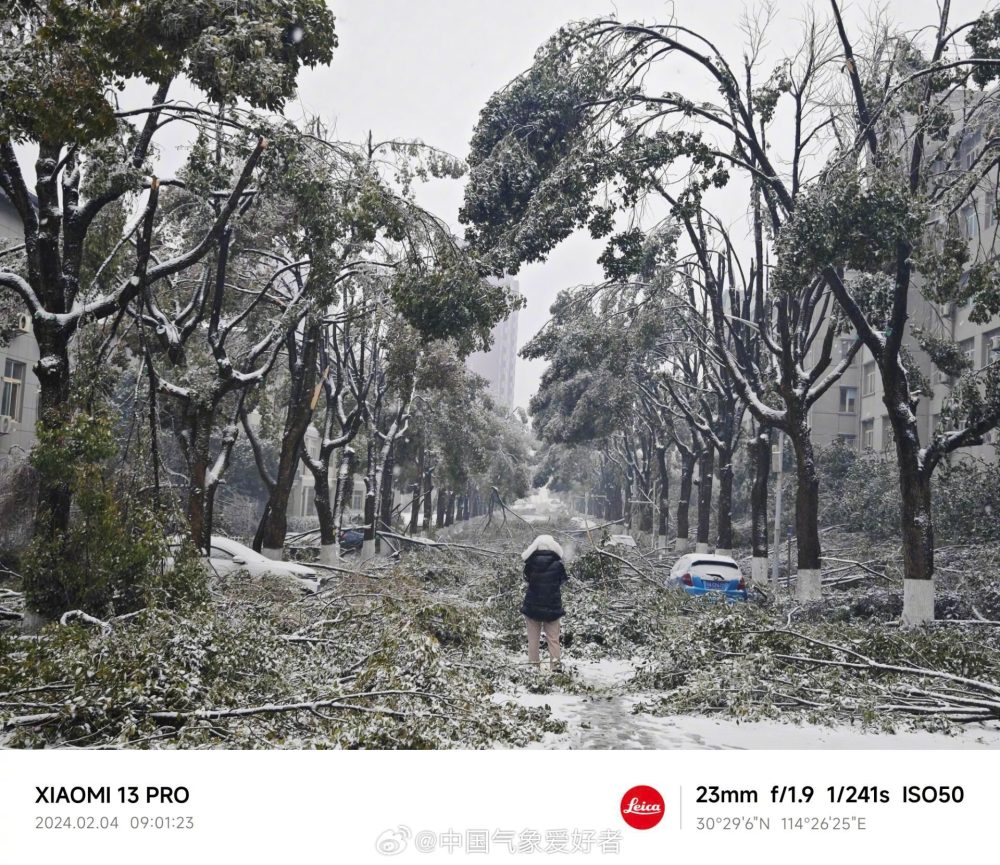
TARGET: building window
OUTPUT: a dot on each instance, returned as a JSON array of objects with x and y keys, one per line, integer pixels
[
  {"x": 12, "y": 395},
  {"x": 970, "y": 220},
  {"x": 888, "y": 440},
  {"x": 971, "y": 157},
  {"x": 991, "y": 347},
  {"x": 357, "y": 500},
  {"x": 848, "y": 400},
  {"x": 845, "y": 347},
  {"x": 868, "y": 435},
  {"x": 869, "y": 378},
  {"x": 989, "y": 214},
  {"x": 847, "y": 439},
  {"x": 968, "y": 349}
]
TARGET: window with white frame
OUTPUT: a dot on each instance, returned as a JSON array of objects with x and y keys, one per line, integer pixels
[
  {"x": 845, "y": 347},
  {"x": 848, "y": 400},
  {"x": 12, "y": 394},
  {"x": 869, "y": 380},
  {"x": 868, "y": 434},
  {"x": 357, "y": 500}
]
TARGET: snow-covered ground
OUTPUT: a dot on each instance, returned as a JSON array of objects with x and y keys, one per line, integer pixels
[{"x": 604, "y": 719}]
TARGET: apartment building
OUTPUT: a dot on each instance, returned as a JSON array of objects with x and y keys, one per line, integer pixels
[
  {"x": 852, "y": 410},
  {"x": 18, "y": 385}
]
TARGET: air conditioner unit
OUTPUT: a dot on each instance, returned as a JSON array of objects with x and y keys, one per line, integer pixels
[
  {"x": 7, "y": 424},
  {"x": 24, "y": 323}
]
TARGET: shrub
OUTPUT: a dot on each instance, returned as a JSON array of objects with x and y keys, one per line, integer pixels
[{"x": 110, "y": 560}]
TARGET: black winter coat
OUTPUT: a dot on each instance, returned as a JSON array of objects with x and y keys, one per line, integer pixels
[{"x": 544, "y": 573}]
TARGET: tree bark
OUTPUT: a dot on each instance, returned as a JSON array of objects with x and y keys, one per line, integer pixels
[
  {"x": 706, "y": 469},
  {"x": 724, "y": 505},
  {"x": 808, "y": 582},
  {"x": 664, "y": 497},
  {"x": 274, "y": 523},
  {"x": 385, "y": 490},
  {"x": 688, "y": 461},
  {"x": 760, "y": 457},
  {"x": 442, "y": 498},
  {"x": 428, "y": 485},
  {"x": 53, "y": 373},
  {"x": 200, "y": 432},
  {"x": 414, "y": 507}
]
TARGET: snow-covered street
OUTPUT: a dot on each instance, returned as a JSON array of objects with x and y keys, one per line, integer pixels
[{"x": 599, "y": 715}]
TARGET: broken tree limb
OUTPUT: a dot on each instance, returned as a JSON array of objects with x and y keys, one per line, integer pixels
[
  {"x": 441, "y": 545},
  {"x": 863, "y": 567},
  {"x": 88, "y": 619},
  {"x": 625, "y": 561}
]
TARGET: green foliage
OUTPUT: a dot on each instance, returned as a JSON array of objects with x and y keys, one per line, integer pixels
[
  {"x": 63, "y": 57},
  {"x": 109, "y": 561},
  {"x": 450, "y": 299},
  {"x": 849, "y": 219},
  {"x": 407, "y": 668},
  {"x": 861, "y": 494},
  {"x": 592, "y": 567},
  {"x": 533, "y": 167},
  {"x": 984, "y": 40}
]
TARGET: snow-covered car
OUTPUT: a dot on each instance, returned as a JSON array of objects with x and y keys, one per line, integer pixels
[
  {"x": 705, "y": 574},
  {"x": 228, "y": 556}
]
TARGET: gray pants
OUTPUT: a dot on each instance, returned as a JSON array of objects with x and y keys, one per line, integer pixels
[{"x": 551, "y": 637}]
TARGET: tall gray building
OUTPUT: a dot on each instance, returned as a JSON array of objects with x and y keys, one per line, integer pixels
[{"x": 497, "y": 365}]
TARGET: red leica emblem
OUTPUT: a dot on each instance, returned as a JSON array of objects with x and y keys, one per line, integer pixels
[{"x": 642, "y": 807}]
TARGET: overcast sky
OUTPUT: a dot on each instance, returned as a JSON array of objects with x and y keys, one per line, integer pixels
[{"x": 424, "y": 68}]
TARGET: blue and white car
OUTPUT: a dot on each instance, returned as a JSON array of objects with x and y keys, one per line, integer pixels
[{"x": 706, "y": 574}]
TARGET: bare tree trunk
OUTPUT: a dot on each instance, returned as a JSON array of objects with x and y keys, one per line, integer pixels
[
  {"x": 368, "y": 545},
  {"x": 808, "y": 585},
  {"x": 760, "y": 456},
  {"x": 270, "y": 539},
  {"x": 442, "y": 498},
  {"x": 414, "y": 507},
  {"x": 688, "y": 461},
  {"x": 200, "y": 431},
  {"x": 52, "y": 371},
  {"x": 325, "y": 512},
  {"x": 664, "y": 497},
  {"x": 428, "y": 485},
  {"x": 385, "y": 490},
  {"x": 724, "y": 505},
  {"x": 706, "y": 469}
]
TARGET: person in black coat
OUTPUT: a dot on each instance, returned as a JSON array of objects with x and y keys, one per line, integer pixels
[{"x": 542, "y": 608}]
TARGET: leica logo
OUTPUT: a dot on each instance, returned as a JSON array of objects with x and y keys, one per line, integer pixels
[
  {"x": 642, "y": 807},
  {"x": 635, "y": 806}
]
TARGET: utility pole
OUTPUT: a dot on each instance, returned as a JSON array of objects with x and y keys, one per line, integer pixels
[{"x": 777, "y": 512}]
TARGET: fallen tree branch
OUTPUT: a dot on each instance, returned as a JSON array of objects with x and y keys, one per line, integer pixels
[{"x": 88, "y": 619}]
